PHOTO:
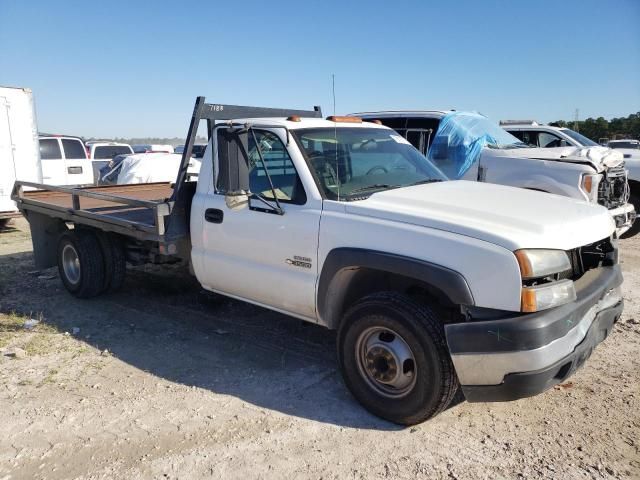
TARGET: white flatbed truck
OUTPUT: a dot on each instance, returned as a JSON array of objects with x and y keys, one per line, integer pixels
[{"x": 432, "y": 285}]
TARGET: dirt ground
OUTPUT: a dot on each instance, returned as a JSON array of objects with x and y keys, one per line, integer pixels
[{"x": 163, "y": 381}]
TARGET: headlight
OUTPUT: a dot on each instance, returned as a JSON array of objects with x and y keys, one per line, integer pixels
[
  {"x": 547, "y": 295},
  {"x": 540, "y": 292},
  {"x": 589, "y": 185},
  {"x": 537, "y": 263}
]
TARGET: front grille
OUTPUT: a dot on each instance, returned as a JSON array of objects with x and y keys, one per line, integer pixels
[
  {"x": 613, "y": 190},
  {"x": 595, "y": 255}
]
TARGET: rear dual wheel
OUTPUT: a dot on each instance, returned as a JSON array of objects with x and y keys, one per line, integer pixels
[{"x": 90, "y": 263}]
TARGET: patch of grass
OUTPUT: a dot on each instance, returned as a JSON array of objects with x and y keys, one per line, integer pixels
[
  {"x": 39, "y": 337},
  {"x": 39, "y": 344},
  {"x": 12, "y": 322},
  {"x": 5, "y": 339}
]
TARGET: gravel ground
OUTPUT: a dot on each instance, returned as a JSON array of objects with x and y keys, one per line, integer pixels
[{"x": 163, "y": 381}]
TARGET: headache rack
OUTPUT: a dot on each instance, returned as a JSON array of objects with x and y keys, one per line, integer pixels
[{"x": 218, "y": 112}]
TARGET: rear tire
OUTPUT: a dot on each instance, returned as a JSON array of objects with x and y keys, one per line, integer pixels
[
  {"x": 394, "y": 358},
  {"x": 634, "y": 199},
  {"x": 81, "y": 263},
  {"x": 115, "y": 262}
]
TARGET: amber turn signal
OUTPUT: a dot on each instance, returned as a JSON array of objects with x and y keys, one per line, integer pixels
[{"x": 334, "y": 118}]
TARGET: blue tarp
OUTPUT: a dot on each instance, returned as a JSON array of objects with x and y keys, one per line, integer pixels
[{"x": 459, "y": 141}]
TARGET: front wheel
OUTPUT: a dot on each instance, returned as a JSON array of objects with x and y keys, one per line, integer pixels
[{"x": 394, "y": 358}]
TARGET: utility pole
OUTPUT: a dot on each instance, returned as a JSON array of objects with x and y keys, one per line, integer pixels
[{"x": 575, "y": 122}]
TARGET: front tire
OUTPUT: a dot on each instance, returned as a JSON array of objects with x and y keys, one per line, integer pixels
[
  {"x": 394, "y": 358},
  {"x": 81, "y": 263}
]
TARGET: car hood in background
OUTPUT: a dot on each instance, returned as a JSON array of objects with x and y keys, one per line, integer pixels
[{"x": 600, "y": 158}]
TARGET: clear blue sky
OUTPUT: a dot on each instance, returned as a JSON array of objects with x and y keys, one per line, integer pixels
[{"x": 112, "y": 68}]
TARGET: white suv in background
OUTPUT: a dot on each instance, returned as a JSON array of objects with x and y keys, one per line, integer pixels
[
  {"x": 547, "y": 136},
  {"x": 64, "y": 161},
  {"x": 101, "y": 153}
]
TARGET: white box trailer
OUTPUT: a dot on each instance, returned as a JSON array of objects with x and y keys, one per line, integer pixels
[{"x": 19, "y": 149}]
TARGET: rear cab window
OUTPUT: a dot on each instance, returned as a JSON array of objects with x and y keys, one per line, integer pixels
[
  {"x": 73, "y": 148},
  {"x": 50, "y": 149},
  {"x": 109, "y": 151}
]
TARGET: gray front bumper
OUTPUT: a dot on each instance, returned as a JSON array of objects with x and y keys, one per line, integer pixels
[{"x": 485, "y": 353}]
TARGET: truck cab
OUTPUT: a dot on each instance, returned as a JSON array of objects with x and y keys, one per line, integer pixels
[
  {"x": 433, "y": 286},
  {"x": 467, "y": 146}
]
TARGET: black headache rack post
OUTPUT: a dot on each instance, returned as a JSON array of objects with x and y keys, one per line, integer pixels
[{"x": 214, "y": 112}]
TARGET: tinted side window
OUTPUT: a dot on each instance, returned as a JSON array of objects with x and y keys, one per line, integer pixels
[
  {"x": 519, "y": 134},
  {"x": 283, "y": 174},
  {"x": 417, "y": 138},
  {"x": 530, "y": 138},
  {"x": 73, "y": 149},
  {"x": 426, "y": 123},
  {"x": 548, "y": 140},
  {"x": 50, "y": 149}
]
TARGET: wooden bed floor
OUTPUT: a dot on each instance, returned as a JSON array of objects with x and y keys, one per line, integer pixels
[{"x": 141, "y": 191}]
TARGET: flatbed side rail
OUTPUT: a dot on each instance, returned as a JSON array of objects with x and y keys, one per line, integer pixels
[{"x": 159, "y": 209}]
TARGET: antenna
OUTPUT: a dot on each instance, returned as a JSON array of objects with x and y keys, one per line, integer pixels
[
  {"x": 335, "y": 130},
  {"x": 575, "y": 122}
]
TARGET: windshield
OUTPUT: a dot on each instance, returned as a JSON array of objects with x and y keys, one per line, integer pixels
[
  {"x": 353, "y": 163},
  {"x": 581, "y": 139}
]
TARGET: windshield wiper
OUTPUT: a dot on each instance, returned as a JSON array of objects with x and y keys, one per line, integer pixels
[
  {"x": 428, "y": 180},
  {"x": 375, "y": 186}
]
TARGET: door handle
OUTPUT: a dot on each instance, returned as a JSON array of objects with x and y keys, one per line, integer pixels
[{"x": 213, "y": 215}]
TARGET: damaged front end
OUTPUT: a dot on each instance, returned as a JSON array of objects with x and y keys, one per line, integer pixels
[
  {"x": 613, "y": 190},
  {"x": 613, "y": 193}
]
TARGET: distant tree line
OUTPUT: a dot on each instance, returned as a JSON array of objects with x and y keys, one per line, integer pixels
[
  {"x": 597, "y": 128},
  {"x": 149, "y": 140}
]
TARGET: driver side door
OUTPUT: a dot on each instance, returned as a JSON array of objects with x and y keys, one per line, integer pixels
[{"x": 254, "y": 253}]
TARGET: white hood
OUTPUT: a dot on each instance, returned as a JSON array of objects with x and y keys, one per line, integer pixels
[
  {"x": 600, "y": 158},
  {"x": 511, "y": 217}
]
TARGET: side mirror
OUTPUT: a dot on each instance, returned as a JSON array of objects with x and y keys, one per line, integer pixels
[
  {"x": 564, "y": 143},
  {"x": 233, "y": 166}
]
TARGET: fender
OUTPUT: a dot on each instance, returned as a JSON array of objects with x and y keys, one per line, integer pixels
[{"x": 342, "y": 264}]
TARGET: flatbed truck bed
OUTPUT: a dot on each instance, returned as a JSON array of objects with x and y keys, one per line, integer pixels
[{"x": 139, "y": 210}]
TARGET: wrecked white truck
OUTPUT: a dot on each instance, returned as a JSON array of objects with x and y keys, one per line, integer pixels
[
  {"x": 432, "y": 285},
  {"x": 468, "y": 146}
]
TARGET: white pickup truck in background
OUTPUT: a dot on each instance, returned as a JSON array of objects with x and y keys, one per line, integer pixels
[
  {"x": 471, "y": 147},
  {"x": 548, "y": 136},
  {"x": 431, "y": 284},
  {"x": 19, "y": 154}
]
